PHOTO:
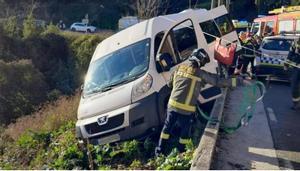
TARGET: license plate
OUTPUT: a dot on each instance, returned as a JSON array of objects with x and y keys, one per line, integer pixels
[{"x": 109, "y": 139}]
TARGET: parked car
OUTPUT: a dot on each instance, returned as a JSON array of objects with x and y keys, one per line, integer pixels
[
  {"x": 82, "y": 27},
  {"x": 273, "y": 51},
  {"x": 125, "y": 92}
]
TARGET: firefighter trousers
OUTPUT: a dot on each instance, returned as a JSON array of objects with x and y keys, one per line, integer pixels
[
  {"x": 245, "y": 62},
  {"x": 185, "y": 122},
  {"x": 295, "y": 84}
]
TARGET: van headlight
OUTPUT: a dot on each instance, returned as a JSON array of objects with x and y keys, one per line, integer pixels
[{"x": 141, "y": 88}]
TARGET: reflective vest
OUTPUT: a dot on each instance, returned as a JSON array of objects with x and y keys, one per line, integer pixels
[{"x": 186, "y": 82}]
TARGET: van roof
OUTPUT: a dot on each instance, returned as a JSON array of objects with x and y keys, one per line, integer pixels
[{"x": 143, "y": 30}]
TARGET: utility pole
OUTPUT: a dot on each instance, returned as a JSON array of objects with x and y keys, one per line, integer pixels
[
  {"x": 212, "y": 4},
  {"x": 216, "y": 3}
]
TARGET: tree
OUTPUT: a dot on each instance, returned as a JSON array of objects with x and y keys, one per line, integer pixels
[
  {"x": 50, "y": 54},
  {"x": 151, "y": 8},
  {"x": 295, "y": 2},
  {"x": 22, "y": 87}
]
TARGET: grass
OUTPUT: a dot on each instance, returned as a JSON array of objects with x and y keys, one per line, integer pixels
[{"x": 50, "y": 117}]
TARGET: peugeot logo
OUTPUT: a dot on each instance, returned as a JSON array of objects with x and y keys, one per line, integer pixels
[{"x": 102, "y": 120}]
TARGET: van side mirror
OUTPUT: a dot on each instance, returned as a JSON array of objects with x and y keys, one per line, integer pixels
[{"x": 165, "y": 61}]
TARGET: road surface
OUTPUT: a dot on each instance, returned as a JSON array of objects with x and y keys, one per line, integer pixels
[{"x": 284, "y": 124}]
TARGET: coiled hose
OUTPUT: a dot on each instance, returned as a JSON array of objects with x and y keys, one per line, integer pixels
[{"x": 246, "y": 108}]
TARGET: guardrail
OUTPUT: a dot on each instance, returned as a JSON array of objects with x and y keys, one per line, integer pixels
[{"x": 203, "y": 155}]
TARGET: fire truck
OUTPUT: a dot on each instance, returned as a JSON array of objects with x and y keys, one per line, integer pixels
[{"x": 284, "y": 19}]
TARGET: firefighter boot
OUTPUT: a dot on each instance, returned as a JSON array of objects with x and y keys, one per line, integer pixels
[
  {"x": 296, "y": 106},
  {"x": 161, "y": 148}
]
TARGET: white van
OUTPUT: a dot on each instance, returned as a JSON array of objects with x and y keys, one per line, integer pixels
[{"x": 125, "y": 92}]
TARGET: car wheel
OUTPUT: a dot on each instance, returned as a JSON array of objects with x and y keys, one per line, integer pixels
[
  {"x": 89, "y": 31},
  {"x": 73, "y": 29}
]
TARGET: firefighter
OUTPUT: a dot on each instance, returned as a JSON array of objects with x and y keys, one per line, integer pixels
[
  {"x": 294, "y": 57},
  {"x": 186, "y": 82},
  {"x": 248, "y": 55}
]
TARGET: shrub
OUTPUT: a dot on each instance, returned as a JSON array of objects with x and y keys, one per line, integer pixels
[
  {"x": 50, "y": 54},
  {"x": 21, "y": 88},
  {"x": 11, "y": 48},
  {"x": 51, "y": 28},
  {"x": 83, "y": 48},
  {"x": 30, "y": 28},
  {"x": 11, "y": 27}
]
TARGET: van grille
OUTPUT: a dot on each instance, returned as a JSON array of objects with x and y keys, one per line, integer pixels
[{"x": 112, "y": 123}]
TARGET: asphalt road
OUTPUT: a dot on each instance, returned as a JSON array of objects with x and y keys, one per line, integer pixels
[{"x": 284, "y": 124}]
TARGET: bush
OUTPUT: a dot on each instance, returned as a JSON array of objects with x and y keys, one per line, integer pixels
[
  {"x": 11, "y": 48},
  {"x": 11, "y": 27},
  {"x": 83, "y": 48},
  {"x": 21, "y": 88},
  {"x": 50, "y": 54},
  {"x": 30, "y": 28},
  {"x": 51, "y": 28}
]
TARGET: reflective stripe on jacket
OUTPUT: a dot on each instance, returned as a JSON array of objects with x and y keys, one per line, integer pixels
[
  {"x": 246, "y": 52},
  {"x": 186, "y": 82}
]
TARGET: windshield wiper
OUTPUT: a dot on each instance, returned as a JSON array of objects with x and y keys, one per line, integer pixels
[
  {"x": 111, "y": 86},
  {"x": 121, "y": 82}
]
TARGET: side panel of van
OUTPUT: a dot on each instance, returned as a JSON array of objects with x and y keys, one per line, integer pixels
[{"x": 180, "y": 48}]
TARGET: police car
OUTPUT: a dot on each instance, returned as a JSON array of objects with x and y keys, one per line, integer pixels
[{"x": 272, "y": 53}]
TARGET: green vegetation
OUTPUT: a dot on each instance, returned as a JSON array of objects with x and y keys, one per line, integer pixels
[
  {"x": 46, "y": 140},
  {"x": 19, "y": 83},
  {"x": 40, "y": 65}
]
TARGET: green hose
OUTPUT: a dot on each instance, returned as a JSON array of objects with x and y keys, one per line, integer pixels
[{"x": 246, "y": 109}]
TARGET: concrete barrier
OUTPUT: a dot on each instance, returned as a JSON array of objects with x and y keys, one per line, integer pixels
[{"x": 204, "y": 153}]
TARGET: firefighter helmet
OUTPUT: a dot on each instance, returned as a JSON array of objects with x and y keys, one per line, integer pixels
[{"x": 200, "y": 57}]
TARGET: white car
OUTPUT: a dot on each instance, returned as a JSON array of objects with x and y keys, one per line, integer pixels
[
  {"x": 274, "y": 50},
  {"x": 82, "y": 27}
]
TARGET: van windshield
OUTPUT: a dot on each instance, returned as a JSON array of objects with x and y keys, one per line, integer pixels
[{"x": 119, "y": 67}]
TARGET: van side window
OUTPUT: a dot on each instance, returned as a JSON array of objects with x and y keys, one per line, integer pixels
[
  {"x": 209, "y": 27},
  {"x": 157, "y": 41},
  {"x": 224, "y": 23},
  {"x": 180, "y": 41},
  {"x": 185, "y": 39},
  {"x": 298, "y": 25}
]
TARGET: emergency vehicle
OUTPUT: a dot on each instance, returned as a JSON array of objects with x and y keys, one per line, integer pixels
[{"x": 285, "y": 19}]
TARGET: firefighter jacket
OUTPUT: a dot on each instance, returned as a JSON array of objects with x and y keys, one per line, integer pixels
[
  {"x": 248, "y": 49},
  {"x": 186, "y": 83},
  {"x": 294, "y": 53}
]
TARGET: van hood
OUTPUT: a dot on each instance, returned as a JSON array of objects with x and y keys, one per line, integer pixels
[{"x": 105, "y": 102}]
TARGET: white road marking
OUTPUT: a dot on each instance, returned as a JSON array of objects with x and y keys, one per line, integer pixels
[
  {"x": 286, "y": 157},
  {"x": 271, "y": 114}
]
